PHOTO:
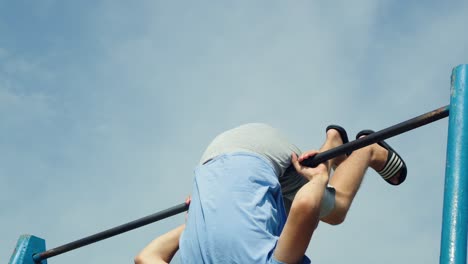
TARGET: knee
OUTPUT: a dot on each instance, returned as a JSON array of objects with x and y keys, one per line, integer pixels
[
  {"x": 340, "y": 210},
  {"x": 140, "y": 259},
  {"x": 336, "y": 220},
  {"x": 336, "y": 217}
]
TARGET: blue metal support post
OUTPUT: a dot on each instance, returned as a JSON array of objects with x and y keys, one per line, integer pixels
[
  {"x": 455, "y": 213},
  {"x": 26, "y": 247}
]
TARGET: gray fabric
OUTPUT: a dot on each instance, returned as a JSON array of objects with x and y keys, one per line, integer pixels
[{"x": 269, "y": 142}]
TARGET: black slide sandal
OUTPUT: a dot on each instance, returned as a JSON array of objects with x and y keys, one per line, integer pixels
[
  {"x": 343, "y": 134},
  {"x": 394, "y": 163}
]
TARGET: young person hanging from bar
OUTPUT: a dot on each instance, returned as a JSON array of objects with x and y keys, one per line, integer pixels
[{"x": 253, "y": 201}]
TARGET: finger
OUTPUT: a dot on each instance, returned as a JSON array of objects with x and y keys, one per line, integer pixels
[
  {"x": 295, "y": 161},
  {"x": 293, "y": 157},
  {"x": 307, "y": 155}
]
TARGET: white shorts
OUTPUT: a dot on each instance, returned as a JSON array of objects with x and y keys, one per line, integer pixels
[{"x": 270, "y": 143}]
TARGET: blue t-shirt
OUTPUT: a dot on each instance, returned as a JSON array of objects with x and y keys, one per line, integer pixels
[{"x": 236, "y": 214}]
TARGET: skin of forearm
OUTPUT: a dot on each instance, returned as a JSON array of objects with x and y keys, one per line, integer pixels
[
  {"x": 304, "y": 217},
  {"x": 313, "y": 190},
  {"x": 163, "y": 248},
  {"x": 308, "y": 200}
]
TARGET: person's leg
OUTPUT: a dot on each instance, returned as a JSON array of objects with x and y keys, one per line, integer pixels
[{"x": 348, "y": 177}]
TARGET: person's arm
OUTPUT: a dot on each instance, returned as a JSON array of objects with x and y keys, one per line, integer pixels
[
  {"x": 304, "y": 214},
  {"x": 162, "y": 249}
]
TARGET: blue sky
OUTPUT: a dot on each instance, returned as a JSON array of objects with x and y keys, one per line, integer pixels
[{"x": 106, "y": 107}]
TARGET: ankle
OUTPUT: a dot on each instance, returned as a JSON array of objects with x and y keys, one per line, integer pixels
[
  {"x": 378, "y": 157},
  {"x": 366, "y": 155}
]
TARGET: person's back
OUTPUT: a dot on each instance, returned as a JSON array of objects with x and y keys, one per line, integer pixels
[{"x": 236, "y": 212}]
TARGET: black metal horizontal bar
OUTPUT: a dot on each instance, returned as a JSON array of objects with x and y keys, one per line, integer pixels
[
  {"x": 383, "y": 134},
  {"x": 312, "y": 162},
  {"x": 111, "y": 232}
]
